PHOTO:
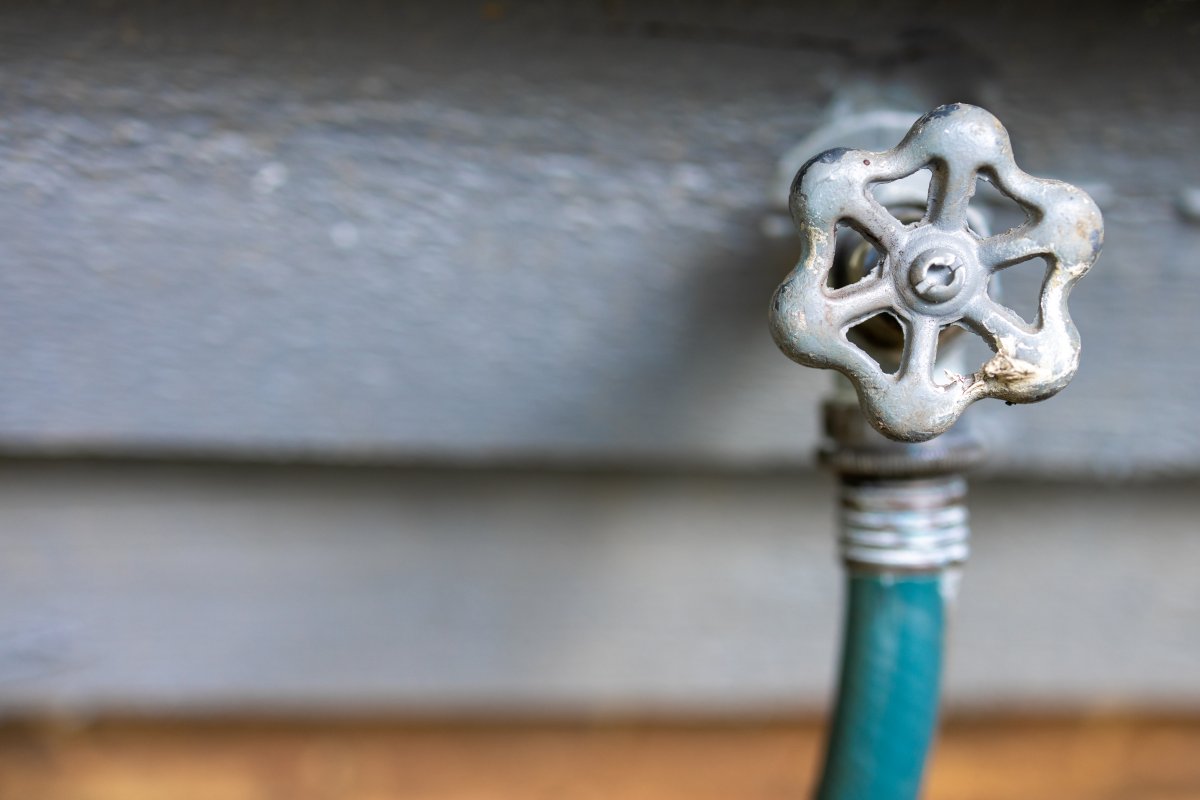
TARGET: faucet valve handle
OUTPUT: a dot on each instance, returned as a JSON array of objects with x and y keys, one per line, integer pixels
[{"x": 935, "y": 272}]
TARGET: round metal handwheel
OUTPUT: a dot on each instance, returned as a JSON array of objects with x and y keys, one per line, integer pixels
[{"x": 935, "y": 272}]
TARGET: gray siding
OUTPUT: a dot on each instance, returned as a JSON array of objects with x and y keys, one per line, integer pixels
[
  {"x": 427, "y": 233},
  {"x": 208, "y": 588}
]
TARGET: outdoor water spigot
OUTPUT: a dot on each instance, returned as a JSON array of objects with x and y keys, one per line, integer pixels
[
  {"x": 903, "y": 518},
  {"x": 935, "y": 273}
]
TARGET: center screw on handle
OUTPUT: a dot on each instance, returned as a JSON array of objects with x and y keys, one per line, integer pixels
[{"x": 936, "y": 275}]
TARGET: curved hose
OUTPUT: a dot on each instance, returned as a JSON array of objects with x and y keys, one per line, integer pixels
[{"x": 887, "y": 699}]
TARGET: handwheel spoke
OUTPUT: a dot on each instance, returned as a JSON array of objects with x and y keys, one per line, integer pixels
[
  {"x": 995, "y": 322},
  {"x": 920, "y": 349},
  {"x": 1006, "y": 249},
  {"x": 860, "y": 301},
  {"x": 951, "y": 190},
  {"x": 874, "y": 221}
]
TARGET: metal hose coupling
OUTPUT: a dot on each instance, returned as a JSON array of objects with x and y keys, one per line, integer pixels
[{"x": 906, "y": 524}]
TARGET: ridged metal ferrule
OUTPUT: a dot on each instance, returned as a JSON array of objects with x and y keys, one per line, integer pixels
[{"x": 905, "y": 524}]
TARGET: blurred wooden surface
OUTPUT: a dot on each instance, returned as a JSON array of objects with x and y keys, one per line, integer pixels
[
  {"x": 985, "y": 759},
  {"x": 543, "y": 233},
  {"x": 210, "y": 586}
]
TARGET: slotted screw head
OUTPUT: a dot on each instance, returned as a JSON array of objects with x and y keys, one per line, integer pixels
[{"x": 935, "y": 273}]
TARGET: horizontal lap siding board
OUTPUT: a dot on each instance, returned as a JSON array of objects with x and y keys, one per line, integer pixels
[
  {"x": 525, "y": 232},
  {"x": 213, "y": 588}
]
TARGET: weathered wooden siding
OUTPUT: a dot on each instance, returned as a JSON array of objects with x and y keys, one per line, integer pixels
[
  {"x": 217, "y": 589},
  {"x": 503, "y": 231}
]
